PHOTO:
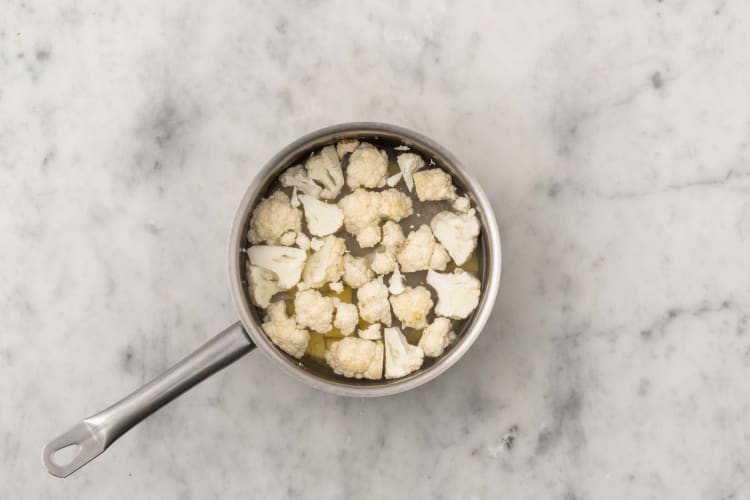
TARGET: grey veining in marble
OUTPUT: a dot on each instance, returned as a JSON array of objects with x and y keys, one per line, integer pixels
[{"x": 612, "y": 138}]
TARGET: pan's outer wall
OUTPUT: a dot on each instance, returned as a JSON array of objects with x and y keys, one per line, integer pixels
[{"x": 282, "y": 160}]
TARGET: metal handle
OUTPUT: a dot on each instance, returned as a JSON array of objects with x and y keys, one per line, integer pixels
[{"x": 93, "y": 435}]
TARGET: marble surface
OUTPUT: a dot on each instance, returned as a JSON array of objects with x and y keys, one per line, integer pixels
[{"x": 612, "y": 138}]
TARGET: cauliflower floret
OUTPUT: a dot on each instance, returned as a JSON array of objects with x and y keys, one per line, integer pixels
[
  {"x": 436, "y": 337},
  {"x": 361, "y": 210},
  {"x": 285, "y": 262},
  {"x": 434, "y": 185},
  {"x": 457, "y": 232},
  {"x": 313, "y": 310},
  {"x": 284, "y": 331},
  {"x": 302, "y": 241},
  {"x": 325, "y": 169},
  {"x": 264, "y": 284},
  {"x": 356, "y": 271},
  {"x": 372, "y": 300},
  {"x": 393, "y": 180},
  {"x": 346, "y": 146},
  {"x": 416, "y": 252},
  {"x": 369, "y": 236},
  {"x": 367, "y": 167},
  {"x": 462, "y": 204},
  {"x": 356, "y": 358},
  {"x": 458, "y": 293},
  {"x": 322, "y": 218},
  {"x": 273, "y": 217},
  {"x": 439, "y": 258},
  {"x": 288, "y": 238},
  {"x": 383, "y": 262},
  {"x": 347, "y": 317},
  {"x": 372, "y": 332},
  {"x": 395, "y": 205},
  {"x": 393, "y": 237},
  {"x": 396, "y": 283},
  {"x": 409, "y": 163},
  {"x": 401, "y": 358},
  {"x": 296, "y": 177},
  {"x": 326, "y": 264},
  {"x": 336, "y": 287},
  {"x": 412, "y": 307}
]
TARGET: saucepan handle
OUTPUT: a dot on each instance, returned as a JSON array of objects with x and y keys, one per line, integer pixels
[{"x": 90, "y": 437}]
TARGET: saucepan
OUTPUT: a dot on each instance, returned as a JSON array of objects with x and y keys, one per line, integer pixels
[{"x": 91, "y": 436}]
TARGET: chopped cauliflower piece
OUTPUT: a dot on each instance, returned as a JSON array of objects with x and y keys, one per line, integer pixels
[
  {"x": 347, "y": 317},
  {"x": 458, "y": 293},
  {"x": 346, "y": 146},
  {"x": 393, "y": 180},
  {"x": 412, "y": 307},
  {"x": 322, "y": 218},
  {"x": 284, "y": 331},
  {"x": 372, "y": 332},
  {"x": 361, "y": 210},
  {"x": 416, "y": 252},
  {"x": 372, "y": 300},
  {"x": 313, "y": 310},
  {"x": 296, "y": 177},
  {"x": 436, "y": 337},
  {"x": 367, "y": 167},
  {"x": 356, "y": 271},
  {"x": 462, "y": 204},
  {"x": 439, "y": 258},
  {"x": 316, "y": 244},
  {"x": 302, "y": 241},
  {"x": 434, "y": 185},
  {"x": 264, "y": 284},
  {"x": 336, "y": 287},
  {"x": 325, "y": 169},
  {"x": 356, "y": 358},
  {"x": 383, "y": 262},
  {"x": 401, "y": 358},
  {"x": 393, "y": 237},
  {"x": 396, "y": 283},
  {"x": 409, "y": 163},
  {"x": 457, "y": 232},
  {"x": 286, "y": 262},
  {"x": 326, "y": 264},
  {"x": 369, "y": 236},
  {"x": 395, "y": 205},
  {"x": 287, "y": 239},
  {"x": 273, "y": 217}
]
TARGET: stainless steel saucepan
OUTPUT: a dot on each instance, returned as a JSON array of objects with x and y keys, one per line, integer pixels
[{"x": 93, "y": 435}]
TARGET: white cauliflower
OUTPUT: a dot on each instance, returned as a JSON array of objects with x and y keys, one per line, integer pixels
[
  {"x": 369, "y": 236},
  {"x": 412, "y": 307},
  {"x": 283, "y": 330},
  {"x": 325, "y": 169},
  {"x": 326, "y": 264},
  {"x": 363, "y": 211},
  {"x": 409, "y": 163},
  {"x": 356, "y": 358},
  {"x": 285, "y": 262},
  {"x": 372, "y": 300},
  {"x": 287, "y": 239},
  {"x": 439, "y": 259},
  {"x": 346, "y": 146},
  {"x": 296, "y": 177},
  {"x": 383, "y": 262},
  {"x": 356, "y": 271},
  {"x": 434, "y": 185},
  {"x": 393, "y": 180},
  {"x": 336, "y": 287},
  {"x": 395, "y": 205},
  {"x": 396, "y": 283},
  {"x": 372, "y": 332},
  {"x": 313, "y": 310},
  {"x": 322, "y": 218},
  {"x": 418, "y": 251},
  {"x": 264, "y": 284},
  {"x": 436, "y": 337},
  {"x": 458, "y": 293},
  {"x": 367, "y": 167},
  {"x": 457, "y": 232},
  {"x": 401, "y": 358},
  {"x": 302, "y": 241},
  {"x": 393, "y": 237},
  {"x": 347, "y": 317},
  {"x": 462, "y": 204},
  {"x": 273, "y": 217}
]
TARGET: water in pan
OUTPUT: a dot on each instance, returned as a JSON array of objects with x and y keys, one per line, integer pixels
[{"x": 423, "y": 213}]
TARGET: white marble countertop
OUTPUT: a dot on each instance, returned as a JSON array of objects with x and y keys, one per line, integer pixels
[{"x": 612, "y": 138}]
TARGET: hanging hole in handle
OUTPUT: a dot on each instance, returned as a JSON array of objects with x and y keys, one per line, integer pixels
[{"x": 64, "y": 456}]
